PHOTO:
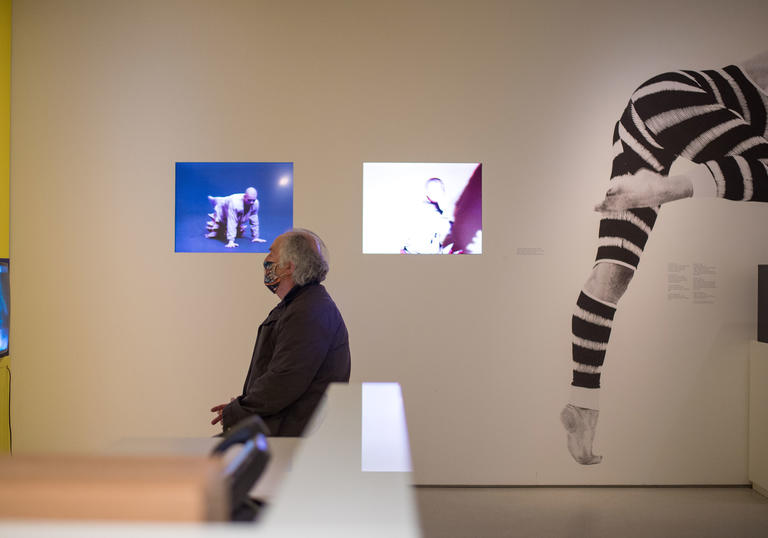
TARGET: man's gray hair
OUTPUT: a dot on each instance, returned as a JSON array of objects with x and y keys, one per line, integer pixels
[{"x": 307, "y": 252}]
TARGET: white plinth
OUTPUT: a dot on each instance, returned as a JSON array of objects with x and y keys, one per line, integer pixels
[
  {"x": 758, "y": 416},
  {"x": 349, "y": 478}
]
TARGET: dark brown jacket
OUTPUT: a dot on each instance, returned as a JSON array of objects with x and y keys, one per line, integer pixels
[{"x": 300, "y": 348}]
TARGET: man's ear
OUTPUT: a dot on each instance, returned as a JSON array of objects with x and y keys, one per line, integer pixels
[{"x": 286, "y": 269}]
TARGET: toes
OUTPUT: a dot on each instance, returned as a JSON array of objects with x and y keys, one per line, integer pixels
[{"x": 591, "y": 459}]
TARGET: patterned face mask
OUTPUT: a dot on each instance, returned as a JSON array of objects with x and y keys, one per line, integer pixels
[{"x": 271, "y": 279}]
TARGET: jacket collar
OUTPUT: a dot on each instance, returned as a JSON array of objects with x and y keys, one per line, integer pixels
[{"x": 296, "y": 291}]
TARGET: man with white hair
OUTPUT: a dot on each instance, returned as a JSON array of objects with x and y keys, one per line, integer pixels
[
  {"x": 238, "y": 211},
  {"x": 301, "y": 347}
]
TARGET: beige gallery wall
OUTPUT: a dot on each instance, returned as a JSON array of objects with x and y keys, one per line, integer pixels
[{"x": 116, "y": 336}]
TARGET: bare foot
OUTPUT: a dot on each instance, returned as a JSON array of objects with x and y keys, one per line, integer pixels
[
  {"x": 581, "y": 423},
  {"x": 644, "y": 189}
]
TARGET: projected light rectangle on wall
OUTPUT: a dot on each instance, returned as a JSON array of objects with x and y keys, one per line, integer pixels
[
  {"x": 5, "y": 305},
  {"x": 422, "y": 208},
  {"x": 232, "y": 207}
]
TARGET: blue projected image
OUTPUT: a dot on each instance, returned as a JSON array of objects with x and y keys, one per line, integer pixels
[
  {"x": 232, "y": 207},
  {"x": 5, "y": 309}
]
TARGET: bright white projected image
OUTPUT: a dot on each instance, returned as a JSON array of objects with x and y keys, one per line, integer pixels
[{"x": 422, "y": 208}]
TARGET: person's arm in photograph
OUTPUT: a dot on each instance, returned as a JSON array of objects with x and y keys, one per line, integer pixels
[
  {"x": 232, "y": 223},
  {"x": 253, "y": 218}
]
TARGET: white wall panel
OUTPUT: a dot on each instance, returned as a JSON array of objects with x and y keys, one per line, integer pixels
[{"x": 116, "y": 336}]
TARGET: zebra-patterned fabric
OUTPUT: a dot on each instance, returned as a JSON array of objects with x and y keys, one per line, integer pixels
[
  {"x": 591, "y": 326},
  {"x": 717, "y": 117}
]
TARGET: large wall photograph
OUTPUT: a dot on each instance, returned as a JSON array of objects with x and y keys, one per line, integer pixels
[{"x": 715, "y": 118}]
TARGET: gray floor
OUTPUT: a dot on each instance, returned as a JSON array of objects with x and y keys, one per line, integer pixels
[{"x": 592, "y": 512}]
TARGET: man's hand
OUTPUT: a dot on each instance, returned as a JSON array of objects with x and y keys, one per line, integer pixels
[
  {"x": 231, "y": 244},
  {"x": 219, "y": 410},
  {"x": 258, "y": 240}
]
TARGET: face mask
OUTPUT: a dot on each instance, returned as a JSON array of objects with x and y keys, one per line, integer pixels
[{"x": 271, "y": 279}]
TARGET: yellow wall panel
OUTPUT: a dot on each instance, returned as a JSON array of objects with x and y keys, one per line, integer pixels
[
  {"x": 5, "y": 123},
  {"x": 5, "y": 135}
]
